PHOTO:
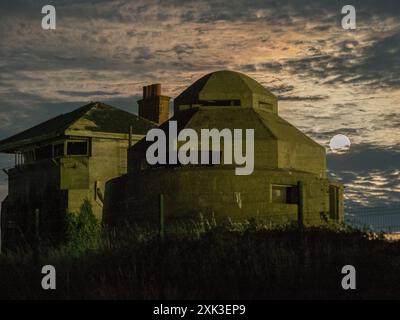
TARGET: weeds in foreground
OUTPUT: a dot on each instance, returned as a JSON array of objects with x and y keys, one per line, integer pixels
[{"x": 206, "y": 260}]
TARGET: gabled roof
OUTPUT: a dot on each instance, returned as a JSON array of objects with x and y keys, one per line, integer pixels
[{"x": 95, "y": 117}]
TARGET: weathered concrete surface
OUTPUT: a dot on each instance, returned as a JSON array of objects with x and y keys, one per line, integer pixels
[
  {"x": 283, "y": 156},
  {"x": 191, "y": 191},
  {"x": 121, "y": 188},
  {"x": 224, "y": 86},
  {"x": 60, "y": 183},
  {"x": 277, "y": 143}
]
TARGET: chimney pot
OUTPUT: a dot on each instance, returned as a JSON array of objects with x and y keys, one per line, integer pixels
[
  {"x": 157, "y": 89},
  {"x": 153, "y": 106}
]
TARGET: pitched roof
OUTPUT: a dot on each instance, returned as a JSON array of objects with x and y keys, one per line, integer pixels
[{"x": 95, "y": 116}]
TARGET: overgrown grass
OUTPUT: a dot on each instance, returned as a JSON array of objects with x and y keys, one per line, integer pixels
[{"x": 204, "y": 260}]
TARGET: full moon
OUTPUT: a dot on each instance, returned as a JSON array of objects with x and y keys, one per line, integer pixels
[{"x": 339, "y": 143}]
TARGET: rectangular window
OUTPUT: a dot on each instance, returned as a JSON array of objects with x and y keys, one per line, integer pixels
[
  {"x": 77, "y": 148},
  {"x": 220, "y": 103},
  {"x": 284, "y": 194}
]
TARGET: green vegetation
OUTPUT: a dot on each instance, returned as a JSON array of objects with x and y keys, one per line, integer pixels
[
  {"x": 206, "y": 261},
  {"x": 83, "y": 229}
]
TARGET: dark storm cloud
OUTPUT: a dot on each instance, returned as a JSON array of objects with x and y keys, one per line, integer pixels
[
  {"x": 370, "y": 174},
  {"x": 51, "y": 59},
  {"x": 103, "y": 42},
  {"x": 31, "y": 9},
  {"x": 382, "y": 61},
  {"x": 283, "y": 12},
  {"x": 365, "y": 157},
  {"x": 377, "y": 66},
  {"x": 87, "y": 93},
  {"x": 390, "y": 120}
]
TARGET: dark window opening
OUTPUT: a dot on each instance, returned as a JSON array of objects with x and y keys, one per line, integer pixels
[
  {"x": 265, "y": 105},
  {"x": 59, "y": 150},
  {"x": 284, "y": 194},
  {"x": 220, "y": 103},
  {"x": 45, "y": 152},
  {"x": 79, "y": 148}
]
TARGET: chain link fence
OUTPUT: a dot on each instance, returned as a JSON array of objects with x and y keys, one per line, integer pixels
[{"x": 378, "y": 219}]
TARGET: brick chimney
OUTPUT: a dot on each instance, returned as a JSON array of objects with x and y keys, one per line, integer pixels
[{"x": 154, "y": 106}]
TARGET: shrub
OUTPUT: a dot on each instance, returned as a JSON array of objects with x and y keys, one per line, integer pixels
[{"x": 83, "y": 228}]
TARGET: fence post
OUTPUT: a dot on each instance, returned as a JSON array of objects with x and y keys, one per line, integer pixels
[{"x": 161, "y": 216}]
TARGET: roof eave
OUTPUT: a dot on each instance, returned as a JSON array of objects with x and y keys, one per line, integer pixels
[
  {"x": 101, "y": 134},
  {"x": 16, "y": 145}
]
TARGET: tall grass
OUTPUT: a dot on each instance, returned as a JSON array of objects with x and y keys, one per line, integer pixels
[{"x": 204, "y": 260}]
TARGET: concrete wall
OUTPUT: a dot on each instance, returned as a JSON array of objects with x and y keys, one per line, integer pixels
[
  {"x": 58, "y": 186},
  {"x": 107, "y": 161},
  {"x": 210, "y": 191},
  {"x": 292, "y": 155}
]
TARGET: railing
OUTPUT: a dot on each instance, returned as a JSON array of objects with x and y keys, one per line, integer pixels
[{"x": 379, "y": 219}]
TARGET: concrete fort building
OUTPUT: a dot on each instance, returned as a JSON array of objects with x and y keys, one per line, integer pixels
[
  {"x": 289, "y": 168},
  {"x": 98, "y": 152},
  {"x": 63, "y": 161}
]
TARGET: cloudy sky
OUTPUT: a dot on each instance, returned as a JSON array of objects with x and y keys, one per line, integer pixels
[{"x": 329, "y": 80}]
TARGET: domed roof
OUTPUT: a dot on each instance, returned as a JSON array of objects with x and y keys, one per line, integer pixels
[{"x": 227, "y": 88}]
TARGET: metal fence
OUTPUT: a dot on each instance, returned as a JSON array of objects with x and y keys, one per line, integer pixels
[{"x": 378, "y": 219}]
